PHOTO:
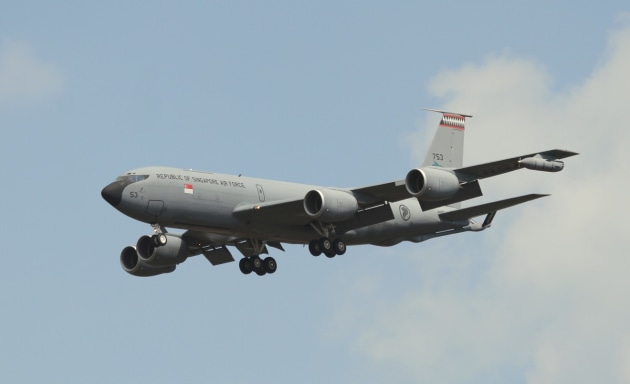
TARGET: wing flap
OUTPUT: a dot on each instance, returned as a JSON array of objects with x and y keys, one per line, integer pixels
[
  {"x": 478, "y": 210},
  {"x": 279, "y": 212},
  {"x": 218, "y": 256},
  {"x": 375, "y": 194},
  {"x": 365, "y": 217}
]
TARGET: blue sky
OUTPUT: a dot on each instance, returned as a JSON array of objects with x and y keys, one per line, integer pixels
[{"x": 328, "y": 94}]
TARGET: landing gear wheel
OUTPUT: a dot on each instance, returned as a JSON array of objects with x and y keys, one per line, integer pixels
[
  {"x": 330, "y": 253},
  {"x": 314, "y": 248},
  {"x": 325, "y": 245},
  {"x": 245, "y": 266},
  {"x": 159, "y": 240},
  {"x": 255, "y": 262},
  {"x": 270, "y": 265},
  {"x": 257, "y": 266},
  {"x": 339, "y": 247}
]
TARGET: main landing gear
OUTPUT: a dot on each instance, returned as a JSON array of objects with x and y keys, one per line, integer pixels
[
  {"x": 255, "y": 264},
  {"x": 327, "y": 247}
]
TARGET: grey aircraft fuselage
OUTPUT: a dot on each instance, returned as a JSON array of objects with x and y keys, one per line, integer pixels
[
  {"x": 208, "y": 203},
  {"x": 220, "y": 211}
]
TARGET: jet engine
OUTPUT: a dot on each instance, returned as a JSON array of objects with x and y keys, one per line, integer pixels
[
  {"x": 330, "y": 205},
  {"x": 432, "y": 184},
  {"x": 174, "y": 252},
  {"x": 538, "y": 163},
  {"x": 132, "y": 264}
]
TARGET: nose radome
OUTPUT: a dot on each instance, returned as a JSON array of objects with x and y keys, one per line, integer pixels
[{"x": 113, "y": 193}]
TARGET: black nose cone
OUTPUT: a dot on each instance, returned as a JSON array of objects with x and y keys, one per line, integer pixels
[{"x": 113, "y": 193}]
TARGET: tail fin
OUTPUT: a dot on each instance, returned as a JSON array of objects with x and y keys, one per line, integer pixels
[{"x": 447, "y": 148}]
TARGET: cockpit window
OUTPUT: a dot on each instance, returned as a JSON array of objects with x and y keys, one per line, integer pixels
[{"x": 132, "y": 178}]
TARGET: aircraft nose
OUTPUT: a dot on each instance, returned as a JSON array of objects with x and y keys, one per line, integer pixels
[{"x": 113, "y": 193}]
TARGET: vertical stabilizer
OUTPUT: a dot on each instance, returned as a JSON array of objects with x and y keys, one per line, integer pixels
[{"x": 447, "y": 148}]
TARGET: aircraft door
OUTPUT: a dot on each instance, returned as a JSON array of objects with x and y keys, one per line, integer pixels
[
  {"x": 261, "y": 193},
  {"x": 154, "y": 208}
]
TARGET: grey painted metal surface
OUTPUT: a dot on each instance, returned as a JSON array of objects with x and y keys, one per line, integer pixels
[{"x": 220, "y": 210}]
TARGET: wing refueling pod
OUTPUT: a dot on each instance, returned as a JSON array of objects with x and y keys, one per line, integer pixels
[{"x": 539, "y": 163}]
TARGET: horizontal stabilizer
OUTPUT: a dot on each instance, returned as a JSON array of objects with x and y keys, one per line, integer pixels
[
  {"x": 446, "y": 112},
  {"x": 478, "y": 210}
]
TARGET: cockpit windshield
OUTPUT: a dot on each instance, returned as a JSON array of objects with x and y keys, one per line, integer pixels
[{"x": 132, "y": 178}]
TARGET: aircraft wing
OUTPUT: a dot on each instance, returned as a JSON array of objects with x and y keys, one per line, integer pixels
[
  {"x": 396, "y": 190},
  {"x": 291, "y": 212},
  {"x": 379, "y": 193},
  {"x": 280, "y": 212},
  {"x": 499, "y": 167},
  {"x": 489, "y": 208}
]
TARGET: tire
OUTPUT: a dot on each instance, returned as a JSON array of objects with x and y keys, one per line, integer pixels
[
  {"x": 314, "y": 248},
  {"x": 159, "y": 240},
  {"x": 256, "y": 263},
  {"x": 258, "y": 266},
  {"x": 324, "y": 244},
  {"x": 245, "y": 266},
  {"x": 270, "y": 265},
  {"x": 339, "y": 247}
]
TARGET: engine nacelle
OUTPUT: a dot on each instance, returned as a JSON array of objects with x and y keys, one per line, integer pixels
[
  {"x": 432, "y": 184},
  {"x": 542, "y": 164},
  {"x": 174, "y": 252},
  {"x": 132, "y": 264},
  {"x": 330, "y": 205}
]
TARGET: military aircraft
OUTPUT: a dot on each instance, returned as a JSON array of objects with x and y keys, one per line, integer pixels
[{"x": 218, "y": 211}]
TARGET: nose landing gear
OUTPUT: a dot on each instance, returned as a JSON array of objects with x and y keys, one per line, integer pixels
[{"x": 159, "y": 239}]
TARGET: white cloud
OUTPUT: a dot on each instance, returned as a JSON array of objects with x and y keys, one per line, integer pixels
[
  {"x": 24, "y": 77},
  {"x": 551, "y": 303}
]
